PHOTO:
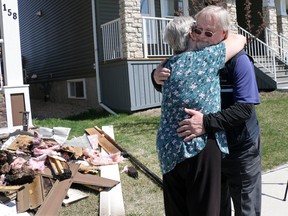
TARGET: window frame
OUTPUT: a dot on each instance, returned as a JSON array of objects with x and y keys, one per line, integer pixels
[
  {"x": 74, "y": 81},
  {"x": 164, "y": 8}
]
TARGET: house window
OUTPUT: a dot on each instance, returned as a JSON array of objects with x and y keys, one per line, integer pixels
[
  {"x": 76, "y": 89},
  {"x": 171, "y": 8},
  {"x": 147, "y": 8}
]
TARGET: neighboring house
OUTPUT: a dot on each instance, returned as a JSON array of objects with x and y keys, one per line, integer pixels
[
  {"x": 100, "y": 53},
  {"x": 58, "y": 52}
]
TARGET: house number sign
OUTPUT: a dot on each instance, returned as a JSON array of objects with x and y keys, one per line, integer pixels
[{"x": 10, "y": 12}]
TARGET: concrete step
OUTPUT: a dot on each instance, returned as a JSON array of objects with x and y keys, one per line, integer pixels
[
  {"x": 278, "y": 67},
  {"x": 280, "y": 74},
  {"x": 282, "y": 86},
  {"x": 281, "y": 71}
]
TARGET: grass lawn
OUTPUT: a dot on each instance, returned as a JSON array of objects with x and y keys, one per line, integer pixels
[
  {"x": 137, "y": 133},
  {"x": 272, "y": 115}
]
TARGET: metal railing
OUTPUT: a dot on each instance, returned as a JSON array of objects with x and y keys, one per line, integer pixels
[
  {"x": 262, "y": 54},
  {"x": 279, "y": 43},
  {"x": 154, "y": 45},
  {"x": 111, "y": 36},
  {"x": 283, "y": 43}
]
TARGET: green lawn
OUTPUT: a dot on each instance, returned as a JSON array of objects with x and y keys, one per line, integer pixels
[
  {"x": 272, "y": 114},
  {"x": 137, "y": 134}
]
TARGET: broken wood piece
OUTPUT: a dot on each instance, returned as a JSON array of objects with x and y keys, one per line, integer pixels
[
  {"x": 60, "y": 167},
  {"x": 47, "y": 172},
  {"x": 36, "y": 193},
  {"x": 97, "y": 188},
  {"x": 22, "y": 143},
  {"x": 55, "y": 197},
  {"x": 88, "y": 179},
  {"x": 88, "y": 169},
  {"x": 32, "y": 195},
  {"x": 75, "y": 151},
  {"x": 59, "y": 190},
  {"x": 11, "y": 188},
  {"x": 53, "y": 165},
  {"x": 22, "y": 200},
  {"x": 103, "y": 141}
]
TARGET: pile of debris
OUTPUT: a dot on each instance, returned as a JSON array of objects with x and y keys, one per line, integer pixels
[{"x": 38, "y": 167}]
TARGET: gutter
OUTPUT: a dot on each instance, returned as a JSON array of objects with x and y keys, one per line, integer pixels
[{"x": 96, "y": 65}]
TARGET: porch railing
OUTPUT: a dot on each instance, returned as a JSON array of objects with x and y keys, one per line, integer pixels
[
  {"x": 279, "y": 43},
  {"x": 154, "y": 45},
  {"x": 262, "y": 54},
  {"x": 111, "y": 36}
]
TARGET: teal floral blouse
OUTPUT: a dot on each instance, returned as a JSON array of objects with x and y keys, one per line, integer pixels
[{"x": 193, "y": 83}]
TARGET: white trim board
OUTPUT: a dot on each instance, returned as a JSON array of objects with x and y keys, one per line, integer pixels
[{"x": 111, "y": 202}]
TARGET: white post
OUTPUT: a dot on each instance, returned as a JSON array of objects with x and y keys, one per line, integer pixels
[
  {"x": 12, "y": 66},
  {"x": 11, "y": 48}
]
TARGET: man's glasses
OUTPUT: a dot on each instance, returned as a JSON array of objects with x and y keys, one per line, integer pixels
[{"x": 206, "y": 33}]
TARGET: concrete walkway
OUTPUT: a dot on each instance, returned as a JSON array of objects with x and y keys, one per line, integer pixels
[{"x": 273, "y": 190}]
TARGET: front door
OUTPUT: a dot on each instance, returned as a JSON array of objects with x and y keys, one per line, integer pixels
[{"x": 250, "y": 18}]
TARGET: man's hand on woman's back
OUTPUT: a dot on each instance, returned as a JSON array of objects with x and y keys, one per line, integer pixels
[{"x": 161, "y": 74}]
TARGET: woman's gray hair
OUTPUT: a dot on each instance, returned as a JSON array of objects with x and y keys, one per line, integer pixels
[
  {"x": 176, "y": 33},
  {"x": 220, "y": 14}
]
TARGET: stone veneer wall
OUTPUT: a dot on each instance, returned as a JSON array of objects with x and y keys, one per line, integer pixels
[
  {"x": 282, "y": 26},
  {"x": 3, "y": 113},
  {"x": 231, "y": 7},
  {"x": 270, "y": 19},
  {"x": 131, "y": 27}
]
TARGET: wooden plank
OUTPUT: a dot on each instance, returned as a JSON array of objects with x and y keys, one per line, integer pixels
[
  {"x": 95, "y": 180},
  {"x": 111, "y": 202},
  {"x": 36, "y": 195},
  {"x": 22, "y": 201},
  {"x": 55, "y": 197},
  {"x": 86, "y": 179},
  {"x": 91, "y": 131},
  {"x": 11, "y": 188},
  {"x": 103, "y": 142}
]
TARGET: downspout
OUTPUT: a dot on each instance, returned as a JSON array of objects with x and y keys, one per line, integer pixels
[{"x": 96, "y": 61}]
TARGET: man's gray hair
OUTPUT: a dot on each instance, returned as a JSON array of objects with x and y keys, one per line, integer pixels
[
  {"x": 176, "y": 33},
  {"x": 220, "y": 14}
]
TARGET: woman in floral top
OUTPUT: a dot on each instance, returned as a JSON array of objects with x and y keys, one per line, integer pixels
[{"x": 191, "y": 170}]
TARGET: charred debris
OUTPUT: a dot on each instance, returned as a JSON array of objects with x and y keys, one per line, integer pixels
[{"x": 37, "y": 167}]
